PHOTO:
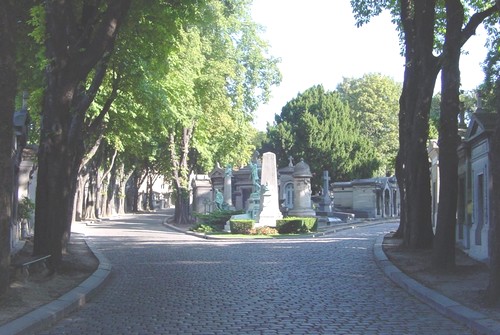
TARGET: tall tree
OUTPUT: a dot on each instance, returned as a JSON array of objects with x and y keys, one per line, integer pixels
[
  {"x": 422, "y": 24},
  {"x": 421, "y": 70},
  {"x": 492, "y": 90},
  {"x": 8, "y": 87},
  {"x": 217, "y": 76},
  {"x": 79, "y": 41},
  {"x": 417, "y": 20},
  {"x": 373, "y": 100},
  {"x": 493, "y": 289},
  {"x": 317, "y": 126},
  {"x": 455, "y": 38}
]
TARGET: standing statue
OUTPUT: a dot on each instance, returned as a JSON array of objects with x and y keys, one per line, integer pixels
[
  {"x": 229, "y": 170},
  {"x": 255, "y": 177},
  {"x": 219, "y": 199}
]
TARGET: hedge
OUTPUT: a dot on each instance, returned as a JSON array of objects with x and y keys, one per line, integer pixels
[
  {"x": 241, "y": 226},
  {"x": 296, "y": 225}
]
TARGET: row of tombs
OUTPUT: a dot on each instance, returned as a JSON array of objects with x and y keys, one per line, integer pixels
[{"x": 233, "y": 188}]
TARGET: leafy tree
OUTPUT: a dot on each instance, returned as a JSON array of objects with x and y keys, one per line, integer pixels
[
  {"x": 455, "y": 37},
  {"x": 491, "y": 91},
  {"x": 428, "y": 27},
  {"x": 79, "y": 41},
  {"x": 218, "y": 75},
  {"x": 7, "y": 107},
  {"x": 467, "y": 106},
  {"x": 373, "y": 99},
  {"x": 316, "y": 126}
]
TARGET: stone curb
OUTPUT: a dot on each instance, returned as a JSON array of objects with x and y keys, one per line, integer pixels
[
  {"x": 330, "y": 230},
  {"x": 47, "y": 315},
  {"x": 478, "y": 322}
]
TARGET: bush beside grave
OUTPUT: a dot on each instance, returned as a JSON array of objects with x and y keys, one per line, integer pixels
[
  {"x": 296, "y": 225},
  {"x": 265, "y": 230},
  {"x": 241, "y": 226},
  {"x": 216, "y": 220}
]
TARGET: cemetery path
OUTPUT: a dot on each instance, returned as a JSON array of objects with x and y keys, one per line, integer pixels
[{"x": 166, "y": 282}]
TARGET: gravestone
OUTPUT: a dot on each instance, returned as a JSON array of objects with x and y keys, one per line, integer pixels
[
  {"x": 269, "y": 195},
  {"x": 325, "y": 204}
]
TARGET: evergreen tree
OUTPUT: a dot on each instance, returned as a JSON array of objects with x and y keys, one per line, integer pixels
[{"x": 317, "y": 126}]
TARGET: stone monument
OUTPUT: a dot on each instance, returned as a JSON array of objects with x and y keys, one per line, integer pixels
[
  {"x": 269, "y": 196},
  {"x": 228, "y": 196},
  {"x": 253, "y": 207},
  {"x": 302, "y": 191},
  {"x": 325, "y": 203}
]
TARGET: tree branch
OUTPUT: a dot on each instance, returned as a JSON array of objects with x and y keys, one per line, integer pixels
[
  {"x": 91, "y": 152},
  {"x": 98, "y": 121},
  {"x": 475, "y": 21},
  {"x": 104, "y": 36}
]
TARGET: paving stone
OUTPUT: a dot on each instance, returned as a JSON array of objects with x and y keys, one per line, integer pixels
[{"x": 163, "y": 282}]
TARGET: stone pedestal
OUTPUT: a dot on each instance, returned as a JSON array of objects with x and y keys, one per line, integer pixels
[
  {"x": 254, "y": 205},
  {"x": 302, "y": 191}
]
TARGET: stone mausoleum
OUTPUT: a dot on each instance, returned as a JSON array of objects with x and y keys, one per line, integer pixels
[
  {"x": 368, "y": 198},
  {"x": 365, "y": 198}
]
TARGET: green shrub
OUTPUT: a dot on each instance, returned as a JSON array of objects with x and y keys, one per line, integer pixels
[
  {"x": 265, "y": 230},
  {"x": 296, "y": 225},
  {"x": 216, "y": 220},
  {"x": 25, "y": 209},
  {"x": 203, "y": 228},
  {"x": 241, "y": 226},
  {"x": 309, "y": 224},
  {"x": 288, "y": 226}
]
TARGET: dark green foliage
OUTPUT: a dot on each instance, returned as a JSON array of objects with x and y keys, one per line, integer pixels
[
  {"x": 203, "y": 228},
  {"x": 318, "y": 127},
  {"x": 25, "y": 209},
  {"x": 295, "y": 225},
  {"x": 241, "y": 226},
  {"x": 216, "y": 219}
]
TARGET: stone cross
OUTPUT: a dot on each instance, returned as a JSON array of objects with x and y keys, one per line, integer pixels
[{"x": 325, "y": 204}]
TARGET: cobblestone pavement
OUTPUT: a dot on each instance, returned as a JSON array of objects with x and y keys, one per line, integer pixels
[{"x": 165, "y": 282}]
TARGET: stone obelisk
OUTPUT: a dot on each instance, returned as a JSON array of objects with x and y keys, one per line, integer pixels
[{"x": 269, "y": 195}]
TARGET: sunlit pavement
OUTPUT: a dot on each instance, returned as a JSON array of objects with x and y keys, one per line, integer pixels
[{"x": 168, "y": 282}]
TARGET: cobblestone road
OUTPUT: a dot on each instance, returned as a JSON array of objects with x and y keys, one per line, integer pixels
[{"x": 165, "y": 282}]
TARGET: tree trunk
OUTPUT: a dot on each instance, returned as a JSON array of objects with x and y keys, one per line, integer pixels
[
  {"x": 122, "y": 188},
  {"x": 444, "y": 244},
  {"x": 400, "y": 176},
  {"x": 83, "y": 179},
  {"x": 182, "y": 207},
  {"x": 493, "y": 290},
  {"x": 73, "y": 53},
  {"x": 420, "y": 76},
  {"x": 8, "y": 81},
  {"x": 133, "y": 191},
  {"x": 181, "y": 173},
  {"x": 91, "y": 195},
  {"x": 111, "y": 192}
]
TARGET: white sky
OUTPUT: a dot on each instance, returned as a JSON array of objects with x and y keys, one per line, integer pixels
[{"x": 318, "y": 43}]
